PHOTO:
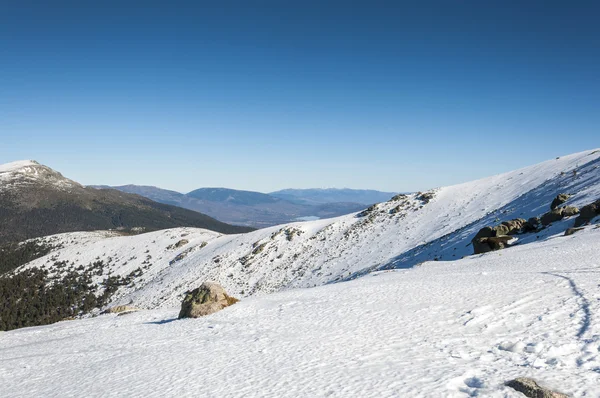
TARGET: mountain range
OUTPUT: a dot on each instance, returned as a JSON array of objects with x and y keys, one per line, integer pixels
[
  {"x": 37, "y": 201},
  {"x": 261, "y": 210}
]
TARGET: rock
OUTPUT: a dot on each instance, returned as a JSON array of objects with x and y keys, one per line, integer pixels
[
  {"x": 559, "y": 200},
  {"x": 552, "y": 216},
  {"x": 571, "y": 231},
  {"x": 398, "y": 197},
  {"x": 569, "y": 211},
  {"x": 207, "y": 299},
  {"x": 530, "y": 388},
  {"x": 484, "y": 245},
  {"x": 532, "y": 224},
  {"x": 513, "y": 226},
  {"x": 119, "y": 309},
  {"x": 587, "y": 213},
  {"x": 426, "y": 197},
  {"x": 368, "y": 211},
  {"x": 177, "y": 245},
  {"x": 480, "y": 246}
]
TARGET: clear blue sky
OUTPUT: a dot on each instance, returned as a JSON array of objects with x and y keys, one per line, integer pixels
[{"x": 264, "y": 95}]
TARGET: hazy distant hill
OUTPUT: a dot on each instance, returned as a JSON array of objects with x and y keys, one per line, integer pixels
[
  {"x": 331, "y": 195},
  {"x": 249, "y": 208},
  {"x": 36, "y": 201}
]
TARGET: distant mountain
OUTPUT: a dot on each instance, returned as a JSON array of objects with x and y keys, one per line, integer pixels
[
  {"x": 37, "y": 201},
  {"x": 332, "y": 195},
  {"x": 238, "y": 207},
  {"x": 247, "y": 198}
]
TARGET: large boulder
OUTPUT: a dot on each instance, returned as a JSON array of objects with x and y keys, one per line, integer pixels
[
  {"x": 482, "y": 242},
  {"x": 532, "y": 225},
  {"x": 552, "y": 216},
  {"x": 569, "y": 211},
  {"x": 207, "y": 299},
  {"x": 480, "y": 246},
  {"x": 513, "y": 226},
  {"x": 559, "y": 200},
  {"x": 587, "y": 213},
  {"x": 530, "y": 388},
  {"x": 492, "y": 243}
]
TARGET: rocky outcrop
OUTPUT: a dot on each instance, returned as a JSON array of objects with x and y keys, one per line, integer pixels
[
  {"x": 426, "y": 196},
  {"x": 558, "y": 214},
  {"x": 530, "y": 388},
  {"x": 493, "y": 243},
  {"x": 569, "y": 211},
  {"x": 496, "y": 238},
  {"x": 552, "y": 216},
  {"x": 207, "y": 299},
  {"x": 177, "y": 245},
  {"x": 559, "y": 200},
  {"x": 587, "y": 213},
  {"x": 511, "y": 227}
]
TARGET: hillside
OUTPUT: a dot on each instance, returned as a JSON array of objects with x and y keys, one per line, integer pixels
[
  {"x": 400, "y": 233},
  {"x": 37, "y": 201},
  {"x": 238, "y": 207},
  {"x": 443, "y": 329}
]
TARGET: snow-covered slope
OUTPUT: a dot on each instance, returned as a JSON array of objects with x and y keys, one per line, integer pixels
[
  {"x": 442, "y": 329},
  {"x": 396, "y": 234}
]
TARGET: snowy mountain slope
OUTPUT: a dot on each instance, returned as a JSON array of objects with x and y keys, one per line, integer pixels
[
  {"x": 442, "y": 329},
  {"x": 29, "y": 172},
  {"x": 399, "y": 233}
]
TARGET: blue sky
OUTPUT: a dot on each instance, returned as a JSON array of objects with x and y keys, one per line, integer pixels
[{"x": 264, "y": 95}]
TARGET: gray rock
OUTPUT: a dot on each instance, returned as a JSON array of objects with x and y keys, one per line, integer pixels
[
  {"x": 571, "y": 231},
  {"x": 533, "y": 224},
  {"x": 492, "y": 243},
  {"x": 552, "y": 216},
  {"x": 559, "y": 200},
  {"x": 569, "y": 211},
  {"x": 207, "y": 299},
  {"x": 177, "y": 245},
  {"x": 513, "y": 226},
  {"x": 587, "y": 213},
  {"x": 530, "y": 388}
]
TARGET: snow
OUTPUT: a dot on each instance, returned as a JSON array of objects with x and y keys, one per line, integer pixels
[
  {"x": 26, "y": 172},
  {"x": 307, "y": 254},
  {"x": 442, "y": 329},
  {"x": 14, "y": 166}
]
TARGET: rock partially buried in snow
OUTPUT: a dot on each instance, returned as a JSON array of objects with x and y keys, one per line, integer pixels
[
  {"x": 530, "y": 388},
  {"x": 571, "y": 231},
  {"x": 569, "y": 211},
  {"x": 207, "y": 299},
  {"x": 120, "y": 309},
  {"x": 588, "y": 212},
  {"x": 559, "y": 200}
]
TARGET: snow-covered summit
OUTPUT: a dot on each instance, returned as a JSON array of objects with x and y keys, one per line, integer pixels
[
  {"x": 13, "y": 166},
  {"x": 22, "y": 172}
]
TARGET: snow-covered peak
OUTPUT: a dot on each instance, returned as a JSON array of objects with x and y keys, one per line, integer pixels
[
  {"x": 19, "y": 164},
  {"x": 27, "y": 172}
]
